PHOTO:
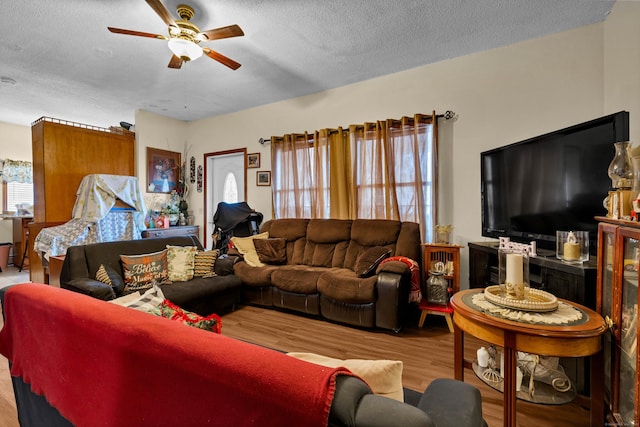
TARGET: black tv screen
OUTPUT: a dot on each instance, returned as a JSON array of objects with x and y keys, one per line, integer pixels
[{"x": 557, "y": 181}]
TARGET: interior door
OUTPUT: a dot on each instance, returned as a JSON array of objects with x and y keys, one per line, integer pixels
[{"x": 225, "y": 181}]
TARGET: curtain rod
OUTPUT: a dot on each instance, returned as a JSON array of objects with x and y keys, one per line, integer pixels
[{"x": 448, "y": 115}]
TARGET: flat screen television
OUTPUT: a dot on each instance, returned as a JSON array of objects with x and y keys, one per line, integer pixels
[{"x": 557, "y": 181}]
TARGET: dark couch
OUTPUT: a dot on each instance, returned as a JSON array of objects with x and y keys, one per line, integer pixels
[
  {"x": 200, "y": 295},
  {"x": 166, "y": 373},
  {"x": 320, "y": 276}
]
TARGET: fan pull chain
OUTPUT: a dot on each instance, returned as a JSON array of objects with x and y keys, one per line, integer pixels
[{"x": 185, "y": 87}]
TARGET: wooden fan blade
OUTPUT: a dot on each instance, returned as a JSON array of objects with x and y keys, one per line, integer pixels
[
  {"x": 162, "y": 12},
  {"x": 175, "y": 62},
  {"x": 222, "y": 33},
  {"x": 137, "y": 33},
  {"x": 221, "y": 58}
]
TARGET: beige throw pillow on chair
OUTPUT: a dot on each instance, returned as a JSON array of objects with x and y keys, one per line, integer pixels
[{"x": 383, "y": 376}]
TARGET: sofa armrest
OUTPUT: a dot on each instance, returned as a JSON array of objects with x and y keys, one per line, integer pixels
[
  {"x": 452, "y": 403},
  {"x": 355, "y": 405},
  {"x": 393, "y": 295},
  {"x": 224, "y": 264},
  {"x": 380, "y": 411},
  {"x": 397, "y": 267},
  {"x": 93, "y": 288}
]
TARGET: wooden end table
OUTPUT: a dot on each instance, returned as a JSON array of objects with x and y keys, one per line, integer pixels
[{"x": 577, "y": 340}]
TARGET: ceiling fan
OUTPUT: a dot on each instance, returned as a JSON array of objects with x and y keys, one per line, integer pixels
[{"x": 184, "y": 37}]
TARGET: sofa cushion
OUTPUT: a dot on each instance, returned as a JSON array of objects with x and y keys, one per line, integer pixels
[
  {"x": 180, "y": 260},
  {"x": 254, "y": 276},
  {"x": 171, "y": 311},
  {"x": 343, "y": 285},
  {"x": 368, "y": 260},
  {"x": 383, "y": 376},
  {"x": 294, "y": 230},
  {"x": 111, "y": 277},
  {"x": 204, "y": 263},
  {"x": 327, "y": 242},
  {"x": 300, "y": 279},
  {"x": 272, "y": 250},
  {"x": 367, "y": 233},
  {"x": 247, "y": 249},
  {"x": 141, "y": 271}
]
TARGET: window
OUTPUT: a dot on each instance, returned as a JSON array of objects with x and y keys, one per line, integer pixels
[
  {"x": 383, "y": 170},
  {"x": 230, "y": 189},
  {"x": 15, "y": 193}
]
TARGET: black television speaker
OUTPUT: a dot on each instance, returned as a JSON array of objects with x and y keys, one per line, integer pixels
[{"x": 557, "y": 181}]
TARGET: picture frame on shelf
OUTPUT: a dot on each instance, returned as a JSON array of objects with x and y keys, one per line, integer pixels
[
  {"x": 253, "y": 160},
  {"x": 163, "y": 170},
  {"x": 263, "y": 178}
]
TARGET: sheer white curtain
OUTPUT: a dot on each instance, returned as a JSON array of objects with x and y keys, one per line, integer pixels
[{"x": 381, "y": 170}]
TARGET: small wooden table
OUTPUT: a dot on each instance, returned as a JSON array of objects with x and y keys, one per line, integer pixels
[{"x": 578, "y": 340}]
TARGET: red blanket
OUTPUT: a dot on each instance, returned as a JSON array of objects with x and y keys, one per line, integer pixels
[{"x": 101, "y": 364}]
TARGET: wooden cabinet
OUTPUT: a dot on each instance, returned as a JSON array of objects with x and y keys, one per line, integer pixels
[
  {"x": 185, "y": 230},
  {"x": 449, "y": 255},
  {"x": 618, "y": 255},
  {"x": 63, "y": 153},
  {"x": 20, "y": 240},
  {"x": 573, "y": 282}
]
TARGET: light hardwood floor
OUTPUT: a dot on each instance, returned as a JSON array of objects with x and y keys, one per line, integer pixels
[{"x": 427, "y": 354}]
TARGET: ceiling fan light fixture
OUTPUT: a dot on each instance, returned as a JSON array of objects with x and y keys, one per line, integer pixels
[{"x": 185, "y": 49}]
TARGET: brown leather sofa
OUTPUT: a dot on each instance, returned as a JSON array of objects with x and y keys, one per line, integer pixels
[{"x": 320, "y": 276}]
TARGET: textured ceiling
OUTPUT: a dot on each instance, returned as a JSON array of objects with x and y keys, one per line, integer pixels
[{"x": 65, "y": 64}]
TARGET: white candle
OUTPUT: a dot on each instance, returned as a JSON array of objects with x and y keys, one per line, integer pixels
[
  {"x": 514, "y": 269},
  {"x": 519, "y": 375}
]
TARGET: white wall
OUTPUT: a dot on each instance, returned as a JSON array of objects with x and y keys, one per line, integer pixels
[
  {"x": 501, "y": 96},
  {"x": 159, "y": 132},
  {"x": 15, "y": 141},
  {"x": 622, "y": 64}
]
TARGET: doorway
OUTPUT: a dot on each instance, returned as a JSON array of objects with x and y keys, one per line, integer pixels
[{"x": 225, "y": 175}]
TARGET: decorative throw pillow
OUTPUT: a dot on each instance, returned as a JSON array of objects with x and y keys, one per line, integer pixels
[
  {"x": 142, "y": 271},
  {"x": 111, "y": 277},
  {"x": 247, "y": 249},
  {"x": 145, "y": 302},
  {"x": 383, "y": 376},
  {"x": 171, "y": 311},
  {"x": 180, "y": 261},
  {"x": 368, "y": 261},
  {"x": 271, "y": 250},
  {"x": 205, "y": 262}
]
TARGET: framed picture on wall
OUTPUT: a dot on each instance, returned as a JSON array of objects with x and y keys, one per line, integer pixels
[
  {"x": 263, "y": 178},
  {"x": 163, "y": 170},
  {"x": 253, "y": 160}
]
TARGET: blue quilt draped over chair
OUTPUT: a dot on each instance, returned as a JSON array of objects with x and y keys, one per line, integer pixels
[{"x": 107, "y": 208}]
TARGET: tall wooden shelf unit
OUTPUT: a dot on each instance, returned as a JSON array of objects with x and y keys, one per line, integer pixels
[
  {"x": 618, "y": 257},
  {"x": 63, "y": 153},
  {"x": 433, "y": 253}
]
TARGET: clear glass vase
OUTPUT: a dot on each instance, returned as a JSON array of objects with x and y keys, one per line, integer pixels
[{"x": 621, "y": 169}]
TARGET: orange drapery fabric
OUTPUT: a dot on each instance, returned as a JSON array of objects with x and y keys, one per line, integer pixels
[{"x": 381, "y": 170}]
